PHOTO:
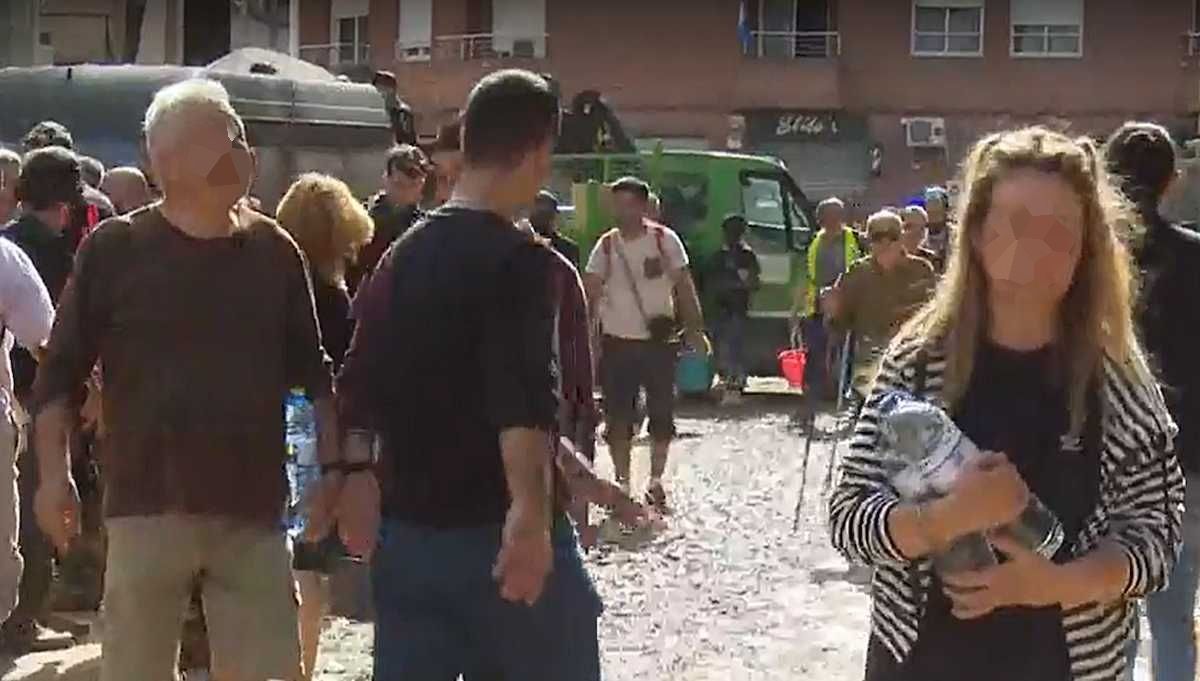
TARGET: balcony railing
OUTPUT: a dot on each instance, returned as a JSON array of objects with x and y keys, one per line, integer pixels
[
  {"x": 336, "y": 54},
  {"x": 470, "y": 46},
  {"x": 794, "y": 44}
]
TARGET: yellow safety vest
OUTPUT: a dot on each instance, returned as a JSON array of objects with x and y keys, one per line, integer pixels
[{"x": 852, "y": 254}]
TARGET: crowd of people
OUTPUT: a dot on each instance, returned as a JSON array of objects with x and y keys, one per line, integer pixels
[{"x": 157, "y": 321}]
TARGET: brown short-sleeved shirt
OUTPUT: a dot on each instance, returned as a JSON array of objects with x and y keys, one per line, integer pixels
[
  {"x": 875, "y": 303},
  {"x": 199, "y": 341}
]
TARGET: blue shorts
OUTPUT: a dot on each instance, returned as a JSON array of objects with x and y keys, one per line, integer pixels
[{"x": 439, "y": 613}]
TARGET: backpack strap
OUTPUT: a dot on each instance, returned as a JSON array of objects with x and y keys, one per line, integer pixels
[
  {"x": 660, "y": 234},
  {"x": 607, "y": 245}
]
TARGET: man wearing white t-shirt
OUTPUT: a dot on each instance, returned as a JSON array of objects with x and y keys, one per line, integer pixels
[
  {"x": 26, "y": 316},
  {"x": 639, "y": 286}
]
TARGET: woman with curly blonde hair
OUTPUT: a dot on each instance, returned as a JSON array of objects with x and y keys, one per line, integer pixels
[
  {"x": 330, "y": 226},
  {"x": 1029, "y": 345}
]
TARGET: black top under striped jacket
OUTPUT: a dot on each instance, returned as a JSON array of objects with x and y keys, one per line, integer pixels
[{"x": 1140, "y": 509}]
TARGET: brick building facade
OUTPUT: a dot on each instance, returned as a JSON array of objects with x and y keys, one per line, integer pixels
[{"x": 869, "y": 99}]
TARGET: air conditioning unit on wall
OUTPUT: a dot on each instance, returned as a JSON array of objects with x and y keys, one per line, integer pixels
[{"x": 925, "y": 131}]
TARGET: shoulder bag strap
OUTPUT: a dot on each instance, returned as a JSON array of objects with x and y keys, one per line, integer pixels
[{"x": 637, "y": 294}]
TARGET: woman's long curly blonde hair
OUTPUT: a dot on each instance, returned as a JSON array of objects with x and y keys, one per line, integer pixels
[
  {"x": 1094, "y": 315},
  {"x": 327, "y": 222}
]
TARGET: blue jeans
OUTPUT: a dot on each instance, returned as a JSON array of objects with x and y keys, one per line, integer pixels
[
  {"x": 730, "y": 332},
  {"x": 1172, "y": 612},
  {"x": 439, "y": 613}
]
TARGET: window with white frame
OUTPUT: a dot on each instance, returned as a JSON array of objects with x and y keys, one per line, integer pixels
[
  {"x": 351, "y": 41},
  {"x": 519, "y": 28},
  {"x": 415, "y": 40},
  {"x": 947, "y": 28},
  {"x": 1047, "y": 28}
]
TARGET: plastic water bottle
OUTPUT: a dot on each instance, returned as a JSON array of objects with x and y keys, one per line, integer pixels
[
  {"x": 303, "y": 468},
  {"x": 929, "y": 454}
]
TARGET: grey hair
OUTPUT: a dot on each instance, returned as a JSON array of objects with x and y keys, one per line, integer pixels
[
  {"x": 196, "y": 94},
  {"x": 831, "y": 201},
  {"x": 884, "y": 215},
  {"x": 915, "y": 210}
]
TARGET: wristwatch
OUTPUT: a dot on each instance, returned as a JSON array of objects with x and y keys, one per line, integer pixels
[{"x": 359, "y": 453}]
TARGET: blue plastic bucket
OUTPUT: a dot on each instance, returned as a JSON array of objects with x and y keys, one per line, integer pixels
[{"x": 694, "y": 373}]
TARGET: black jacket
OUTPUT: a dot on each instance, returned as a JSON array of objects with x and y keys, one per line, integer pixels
[{"x": 1168, "y": 314}]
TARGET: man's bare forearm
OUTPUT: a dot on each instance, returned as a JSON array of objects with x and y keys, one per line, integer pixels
[
  {"x": 329, "y": 446},
  {"x": 52, "y": 434},
  {"x": 581, "y": 478},
  {"x": 593, "y": 290},
  {"x": 526, "y": 456}
]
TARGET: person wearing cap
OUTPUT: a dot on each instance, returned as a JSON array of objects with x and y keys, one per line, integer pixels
[
  {"x": 49, "y": 187},
  {"x": 544, "y": 219},
  {"x": 879, "y": 292},
  {"x": 916, "y": 229},
  {"x": 394, "y": 209},
  {"x": 941, "y": 229}
]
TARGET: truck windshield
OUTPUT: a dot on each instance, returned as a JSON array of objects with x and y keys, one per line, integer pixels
[{"x": 762, "y": 201}]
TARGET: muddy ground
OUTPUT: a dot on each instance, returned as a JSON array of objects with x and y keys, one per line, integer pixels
[{"x": 730, "y": 590}]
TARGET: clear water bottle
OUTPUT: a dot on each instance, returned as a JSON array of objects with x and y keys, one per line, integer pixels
[
  {"x": 303, "y": 468},
  {"x": 929, "y": 453}
]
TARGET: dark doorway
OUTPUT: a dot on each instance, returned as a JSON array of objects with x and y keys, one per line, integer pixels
[
  {"x": 814, "y": 22},
  {"x": 206, "y": 25},
  {"x": 814, "y": 15}
]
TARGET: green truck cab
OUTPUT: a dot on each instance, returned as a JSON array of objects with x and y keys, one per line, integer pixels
[{"x": 697, "y": 190}]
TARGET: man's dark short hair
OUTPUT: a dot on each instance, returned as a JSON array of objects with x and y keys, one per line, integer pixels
[
  {"x": 632, "y": 185},
  {"x": 734, "y": 219},
  {"x": 547, "y": 197},
  {"x": 50, "y": 176},
  {"x": 92, "y": 169},
  {"x": 48, "y": 134},
  {"x": 407, "y": 159},
  {"x": 509, "y": 114}
]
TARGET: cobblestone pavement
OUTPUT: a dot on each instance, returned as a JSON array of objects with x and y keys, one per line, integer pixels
[{"x": 728, "y": 590}]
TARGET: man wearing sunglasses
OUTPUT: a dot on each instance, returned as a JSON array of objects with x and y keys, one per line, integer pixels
[{"x": 879, "y": 292}]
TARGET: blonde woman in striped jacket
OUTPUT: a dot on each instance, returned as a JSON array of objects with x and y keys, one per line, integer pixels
[{"x": 1029, "y": 346}]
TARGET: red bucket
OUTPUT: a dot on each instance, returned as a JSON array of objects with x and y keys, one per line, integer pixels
[{"x": 791, "y": 365}]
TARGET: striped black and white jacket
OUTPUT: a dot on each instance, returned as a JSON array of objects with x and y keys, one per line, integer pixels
[{"x": 1140, "y": 509}]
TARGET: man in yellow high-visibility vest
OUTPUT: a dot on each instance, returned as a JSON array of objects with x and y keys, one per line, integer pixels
[{"x": 831, "y": 253}]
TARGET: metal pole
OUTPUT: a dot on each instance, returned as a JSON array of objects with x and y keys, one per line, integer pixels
[{"x": 294, "y": 28}]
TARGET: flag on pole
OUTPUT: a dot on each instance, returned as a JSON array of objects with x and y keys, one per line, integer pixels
[{"x": 743, "y": 28}]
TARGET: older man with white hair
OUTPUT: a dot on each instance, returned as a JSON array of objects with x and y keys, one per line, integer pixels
[
  {"x": 832, "y": 251},
  {"x": 201, "y": 315}
]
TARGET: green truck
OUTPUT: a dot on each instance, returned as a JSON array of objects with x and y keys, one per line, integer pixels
[{"x": 697, "y": 190}]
